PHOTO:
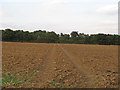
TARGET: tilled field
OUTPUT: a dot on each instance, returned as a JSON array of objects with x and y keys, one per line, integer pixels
[{"x": 36, "y": 65}]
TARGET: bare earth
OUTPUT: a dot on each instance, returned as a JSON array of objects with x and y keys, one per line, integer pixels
[{"x": 60, "y": 65}]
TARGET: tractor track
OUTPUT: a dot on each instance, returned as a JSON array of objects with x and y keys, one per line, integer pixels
[
  {"x": 47, "y": 67},
  {"x": 87, "y": 75}
]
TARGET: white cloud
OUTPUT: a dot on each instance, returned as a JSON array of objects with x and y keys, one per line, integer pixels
[
  {"x": 60, "y": 15},
  {"x": 31, "y": 1},
  {"x": 58, "y": 1},
  {"x": 109, "y": 9},
  {"x": 51, "y": 3},
  {"x": 109, "y": 22},
  {"x": 1, "y": 13},
  {"x": 5, "y": 14},
  {"x": 19, "y": 1}
]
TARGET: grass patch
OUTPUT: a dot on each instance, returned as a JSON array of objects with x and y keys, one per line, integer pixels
[
  {"x": 97, "y": 80},
  {"x": 35, "y": 74},
  {"x": 57, "y": 85},
  {"x": 18, "y": 78},
  {"x": 9, "y": 80}
]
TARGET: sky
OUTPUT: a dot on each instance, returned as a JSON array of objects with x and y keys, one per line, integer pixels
[{"x": 61, "y": 16}]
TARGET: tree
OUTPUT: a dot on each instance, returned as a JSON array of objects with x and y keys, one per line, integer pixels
[
  {"x": 19, "y": 36},
  {"x": 8, "y": 35},
  {"x": 64, "y": 38},
  {"x": 74, "y": 34},
  {"x": 101, "y": 39},
  {"x": 51, "y": 37}
]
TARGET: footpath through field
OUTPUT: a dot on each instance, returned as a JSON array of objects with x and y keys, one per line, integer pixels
[
  {"x": 59, "y": 66},
  {"x": 87, "y": 76}
]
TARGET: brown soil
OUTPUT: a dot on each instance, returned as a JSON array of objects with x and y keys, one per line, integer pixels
[{"x": 60, "y": 65}]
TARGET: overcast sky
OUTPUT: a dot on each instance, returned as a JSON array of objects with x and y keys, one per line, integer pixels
[{"x": 86, "y": 16}]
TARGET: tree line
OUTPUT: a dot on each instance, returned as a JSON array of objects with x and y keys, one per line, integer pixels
[{"x": 74, "y": 37}]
